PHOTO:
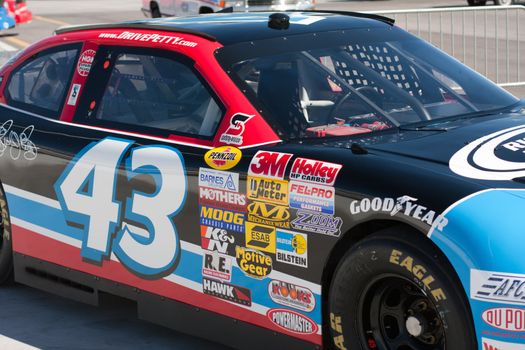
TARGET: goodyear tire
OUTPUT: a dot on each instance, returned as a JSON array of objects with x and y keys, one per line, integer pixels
[
  {"x": 394, "y": 291},
  {"x": 6, "y": 247}
]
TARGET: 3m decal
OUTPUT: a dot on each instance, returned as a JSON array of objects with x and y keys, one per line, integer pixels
[
  {"x": 253, "y": 263},
  {"x": 222, "y": 218},
  {"x": 222, "y": 180},
  {"x": 425, "y": 279},
  {"x": 337, "y": 330},
  {"x": 223, "y": 158},
  {"x": 218, "y": 239},
  {"x": 491, "y": 344},
  {"x": 291, "y": 295},
  {"x": 497, "y": 287},
  {"x": 498, "y": 156},
  {"x": 226, "y": 291},
  {"x": 260, "y": 237},
  {"x": 311, "y": 197},
  {"x": 152, "y": 38},
  {"x": 268, "y": 190},
  {"x": 73, "y": 95},
  {"x": 292, "y": 321},
  {"x": 506, "y": 318},
  {"x": 20, "y": 144},
  {"x": 269, "y": 164},
  {"x": 225, "y": 199},
  {"x": 292, "y": 248},
  {"x": 404, "y": 205},
  {"x": 317, "y": 223},
  {"x": 269, "y": 214},
  {"x": 314, "y": 171},
  {"x": 216, "y": 265},
  {"x": 85, "y": 61},
  {"x": 234, "y": 134},
  {"x": 86, "y": 192}
]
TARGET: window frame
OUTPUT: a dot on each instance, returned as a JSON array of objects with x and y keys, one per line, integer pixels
[
  {"x": 98, "y": 80},
  {"x": 31, "y": 107}
]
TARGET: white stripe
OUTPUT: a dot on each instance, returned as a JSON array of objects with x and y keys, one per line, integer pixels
[
  {"x": 7, "y": 47},
  {"x": 12, "y": 344},
  {"x": 32, "y": 196}
]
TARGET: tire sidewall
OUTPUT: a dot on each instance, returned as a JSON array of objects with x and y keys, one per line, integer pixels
[
  {"x": 387, "y": 256},
  {"x": 6, "y": 250}
]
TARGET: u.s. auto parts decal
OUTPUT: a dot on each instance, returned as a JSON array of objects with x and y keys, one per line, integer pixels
[{"x": 498, "y": 156}]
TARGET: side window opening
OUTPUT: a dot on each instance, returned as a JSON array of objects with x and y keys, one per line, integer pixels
[
  {"x": 40, "y": 84},
  {"x": 160, "y": 93}
]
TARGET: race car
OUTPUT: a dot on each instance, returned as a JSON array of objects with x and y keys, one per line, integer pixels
[
  {"x": 6, "y": 21},
  {"x": 289, "y": 180}
]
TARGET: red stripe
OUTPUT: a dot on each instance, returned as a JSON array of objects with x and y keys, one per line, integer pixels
[{"x": 41, "y": 247}]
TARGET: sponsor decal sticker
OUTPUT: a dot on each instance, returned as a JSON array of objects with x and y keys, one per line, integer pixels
[
  {"x": 314, "y": 171},
  {"x": 217, "y": 266},
  {"x": 292, "y": 248},
  {"x": 222, "y": 218},
  {"x": 268, "y": 190},
  {"x": 317, "y": 223},
  {"x": 260, "y": 237},
  {"x": 317, "y": 198},
  {"x": 222, "y": 180},
  {"x": 227, "y": 291},
  {"x": 221, "y": 198},
  {"x": 73, "y": 95},
  {"x": 223, "y": 158},
  {"x": 234, "y": 134},
  {"x": 253, "y": 263},
  {"x": 269, "y": 214},
  {"x": 497, "y": 287},
  {"x": 291, "y": 295},
  {"x": 269, "y": 164},
  {"x": 490, "y": 344},
  {"x": 151, "y": 38},
  {"x": 506, "y": 318},
  {"x": 292, "y": 321},
  {"x": 217, "y": 239},
  {"x": 404, "y": 205},
  {"x": 85, "y": 61},
  {"x": 21, "y": 144},
  {"x": 337, "y": 328}
]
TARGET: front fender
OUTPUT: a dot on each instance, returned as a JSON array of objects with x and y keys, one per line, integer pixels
[{"x": 485, "y": 242}]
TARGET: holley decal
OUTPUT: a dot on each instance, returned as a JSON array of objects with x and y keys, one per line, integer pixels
[{"x": 314, "y": 171}]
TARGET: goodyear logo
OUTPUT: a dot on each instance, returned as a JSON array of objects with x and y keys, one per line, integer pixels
[
  {"x": 269, "y": 214},
  {"x": 268, "y": 190},
  {"x": 254, "y": 264},
  {"x": 223, "y": 158},
  {"x": 260, "y": 237}
]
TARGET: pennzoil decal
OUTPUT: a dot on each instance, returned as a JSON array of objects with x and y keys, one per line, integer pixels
[
  {"x": 223, "y": 158},
  {"x": 292, "y": 321}
]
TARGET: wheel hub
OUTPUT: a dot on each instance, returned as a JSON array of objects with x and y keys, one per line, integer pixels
[{"x": 414, "y": 327}]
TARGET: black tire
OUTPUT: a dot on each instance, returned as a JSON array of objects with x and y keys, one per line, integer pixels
[
  {"x": 477, "y": 2},
  {"x": 6, "y": 246},
  {"x": 155, "y": 10},
  {"x": 395, "y": 291}
]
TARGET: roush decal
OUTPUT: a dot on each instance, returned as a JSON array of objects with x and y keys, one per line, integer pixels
[
  {"x": 317, "y": 198},
  {"x": 291, "y": 295},
  {"x": 152, "y": 38},
  {"x": 253, "y": 263},
  {"x": 292, "y": 248},
  {"x": 85, "y": 61},
  {"x": 260, "y": 237},
  {"x": 491, "y": 344},
  {"x": 217, "y": 239},
  {"x": 223, "y": 158},
  {"x": 269, "y": 214},
  {"x": 497, "y": 287},
  {"x": 227, "y": 291},
  {"x": 217, "y": 265},
  {"x": 317, "y": 223},
  {"x": 292, "y": 321},
  {"x": 497, "y": 156},
  {"x": 234, "y": 134},
  {"x": 222, "y": 180},
  {"x": 267, "y": 190},
  {"x": 404, "y": 205},
  {"x": 314, "y": 171},
  {"x": 507, "y": 318},
  {"x": 222, "y": 218},
  {"x": 20, "y": 144},
  {"x": 221, "y": 198},
  {"x": 269, "y": 164}
]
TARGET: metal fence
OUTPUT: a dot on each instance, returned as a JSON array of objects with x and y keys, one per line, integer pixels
[{"x": 489, "y": 39}]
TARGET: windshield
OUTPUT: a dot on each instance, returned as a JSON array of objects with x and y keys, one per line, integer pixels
[{"x": 357, "y": 82}]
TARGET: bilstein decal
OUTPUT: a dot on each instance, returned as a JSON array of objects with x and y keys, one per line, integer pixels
[
  {"x": 498, "y": 156},
  {"x": 254, "y": 263},
  {"x": 223, "y": 158},
  {"x": 292, "y": 321},
  {"x": 291, "y": 295},
  {"x": 506, "y": 318}
]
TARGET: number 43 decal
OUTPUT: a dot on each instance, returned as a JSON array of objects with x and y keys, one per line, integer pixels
[{"x": 86, "y": 191}]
